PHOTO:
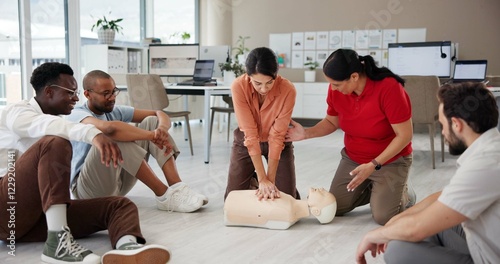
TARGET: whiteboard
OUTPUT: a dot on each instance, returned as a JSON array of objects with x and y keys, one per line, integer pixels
[{"x": 281, "y": 44}]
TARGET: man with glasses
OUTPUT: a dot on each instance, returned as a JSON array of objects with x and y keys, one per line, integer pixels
[
  {"x": 90, "y": 178},
  {"x": 35, "y": 162}
]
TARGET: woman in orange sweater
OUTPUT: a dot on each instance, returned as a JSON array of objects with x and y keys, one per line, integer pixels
[{"x": 263, "y": 104}]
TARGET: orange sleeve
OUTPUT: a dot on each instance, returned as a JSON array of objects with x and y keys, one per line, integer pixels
[
  {"x": 246, "y": 113},
  {"x": 280, "y": 117}
]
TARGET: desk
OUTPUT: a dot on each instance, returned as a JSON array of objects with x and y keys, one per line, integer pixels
[{"x": 207, "y": 92}]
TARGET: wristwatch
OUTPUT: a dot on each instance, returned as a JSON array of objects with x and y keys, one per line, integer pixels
[{"x": 377, "y": 165}]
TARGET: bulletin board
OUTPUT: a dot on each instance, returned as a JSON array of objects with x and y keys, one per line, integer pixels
[
  {"x": 175, "y": 60},
  {"x": 302, "y": 47}
]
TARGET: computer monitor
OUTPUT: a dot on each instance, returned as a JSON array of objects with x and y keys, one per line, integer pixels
[
  {"x": 470, "y": 70},
  {"x": 217, "y": 53},
  {"x": 421, "y": 58}
]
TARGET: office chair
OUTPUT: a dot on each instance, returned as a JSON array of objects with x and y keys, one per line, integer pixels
[
  {"x": 422, "y": 91},
  {"x": 229, "y": 101},
  {"x": 493, "y": 80},
  {"x": 146, "y": 91}
]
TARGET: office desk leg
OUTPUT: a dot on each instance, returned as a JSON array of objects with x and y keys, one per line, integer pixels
[
  {"x": 206, "y": 126},
  {"x": 186, "y": 108}
]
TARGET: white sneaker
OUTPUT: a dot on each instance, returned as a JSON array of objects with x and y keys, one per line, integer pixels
[
  {"x": 180, "y": 198},
  {"x": 203, "y": 197},
  {"x": 60, "y": 247},
  {"x": 132, "y": 253}
]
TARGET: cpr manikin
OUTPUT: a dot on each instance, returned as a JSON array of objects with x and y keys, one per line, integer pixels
[{"x": 243, "y": 208}]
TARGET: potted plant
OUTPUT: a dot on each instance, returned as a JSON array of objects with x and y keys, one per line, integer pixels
[
  {"x": 185, "y": 37},
  {"x": 106, "y": 29},
  {"x": 310, "y": 73},
  {"x": 241, "y": 49},
  {"x": 230, "y": 70},
  {"x": 178, "y": 37}
]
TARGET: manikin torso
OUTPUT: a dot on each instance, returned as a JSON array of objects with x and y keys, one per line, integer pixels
[{"x": 243, "y": 208}]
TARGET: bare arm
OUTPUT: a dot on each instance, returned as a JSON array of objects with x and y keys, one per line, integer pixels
[
  {"x": 118, "y": 130},
  {"x": 163, "y": 119},
  {"x": 297, "y": 132},
  {"x": 417, "y": 207},
  {"x": 404, "y": 133}
]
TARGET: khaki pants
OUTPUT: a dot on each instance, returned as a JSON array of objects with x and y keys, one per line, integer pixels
[
  {"x": 383, "y": 189},
  {"x": 97, "y": 180},
  {"x": 241, "y": 169},
  {"x": 41, "y": 180}
]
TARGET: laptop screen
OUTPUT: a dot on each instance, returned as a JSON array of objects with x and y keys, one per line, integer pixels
[
  {"x": 203, "y": 70},
  {"x": 470, "y": 70}
]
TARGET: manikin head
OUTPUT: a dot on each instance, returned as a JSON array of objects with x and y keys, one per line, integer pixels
[{"x": 322, "y": 204}]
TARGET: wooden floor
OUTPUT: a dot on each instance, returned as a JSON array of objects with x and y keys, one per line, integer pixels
[{"x": 201, "y": 237}]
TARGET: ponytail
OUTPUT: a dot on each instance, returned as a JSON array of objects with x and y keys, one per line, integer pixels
[
  {"x": 375, "y": 73},
  {"x": 343, "y": 62}
]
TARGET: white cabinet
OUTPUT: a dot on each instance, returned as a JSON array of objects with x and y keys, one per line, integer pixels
[
  {"x": 114, "y": 59},
  {"x": 311, "y": 100}
]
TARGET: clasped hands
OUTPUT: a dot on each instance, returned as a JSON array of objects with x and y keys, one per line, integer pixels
[
  {"x": 160, "y": 139},
  {"x": 267, "y": 190}
]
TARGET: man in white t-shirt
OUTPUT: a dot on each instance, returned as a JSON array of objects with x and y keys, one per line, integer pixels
[{"x": 461, "y": 223}]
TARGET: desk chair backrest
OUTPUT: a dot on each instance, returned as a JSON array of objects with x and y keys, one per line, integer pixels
[
  {"x": 422, "y": 91},
  {"x": 146, "y": 91}
]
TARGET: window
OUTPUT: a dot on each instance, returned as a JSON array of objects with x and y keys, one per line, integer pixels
[
  {"x": 10, "y": 68},
  {"x": 47, "y": 31},
  {"x": 173, "y": 18},
  {"x": 129, "y": 10}
]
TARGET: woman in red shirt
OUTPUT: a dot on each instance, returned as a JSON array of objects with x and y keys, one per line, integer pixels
[
  {"x": 263, "y": 103},
  {"x": 372, "y": 108}
]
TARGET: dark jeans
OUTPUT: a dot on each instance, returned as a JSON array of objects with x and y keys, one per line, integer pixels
[
  {"x": 41, "y": 177},
  {"x": 241, "y": 168}
]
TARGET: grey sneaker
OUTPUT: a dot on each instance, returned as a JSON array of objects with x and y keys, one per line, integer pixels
[
  {"x": 60, "y": 247},
  {"x": 409, "y": 196},
  {"x": 131, "y": 253},
  {"x": 180, "y": 199}
]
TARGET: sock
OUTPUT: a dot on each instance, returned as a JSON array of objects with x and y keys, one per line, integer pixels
[
  {"x": 163, "y": 197},
  {"x": 56, "y": 217},
  {"x": 176, "y": 185},
  {"x": 125, "y": 239}
]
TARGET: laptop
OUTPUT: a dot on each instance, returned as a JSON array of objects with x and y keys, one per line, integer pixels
[
  {"x": 202, "y": 76},
  {"x": 469, "y": 71}
]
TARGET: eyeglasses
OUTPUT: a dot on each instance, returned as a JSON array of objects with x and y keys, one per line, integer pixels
[
  {"x": 107, "y": 94},
  {"x": 72, "y": 93}
]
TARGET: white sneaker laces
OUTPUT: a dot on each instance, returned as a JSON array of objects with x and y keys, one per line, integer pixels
[{"x": 67, "y": 245}]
